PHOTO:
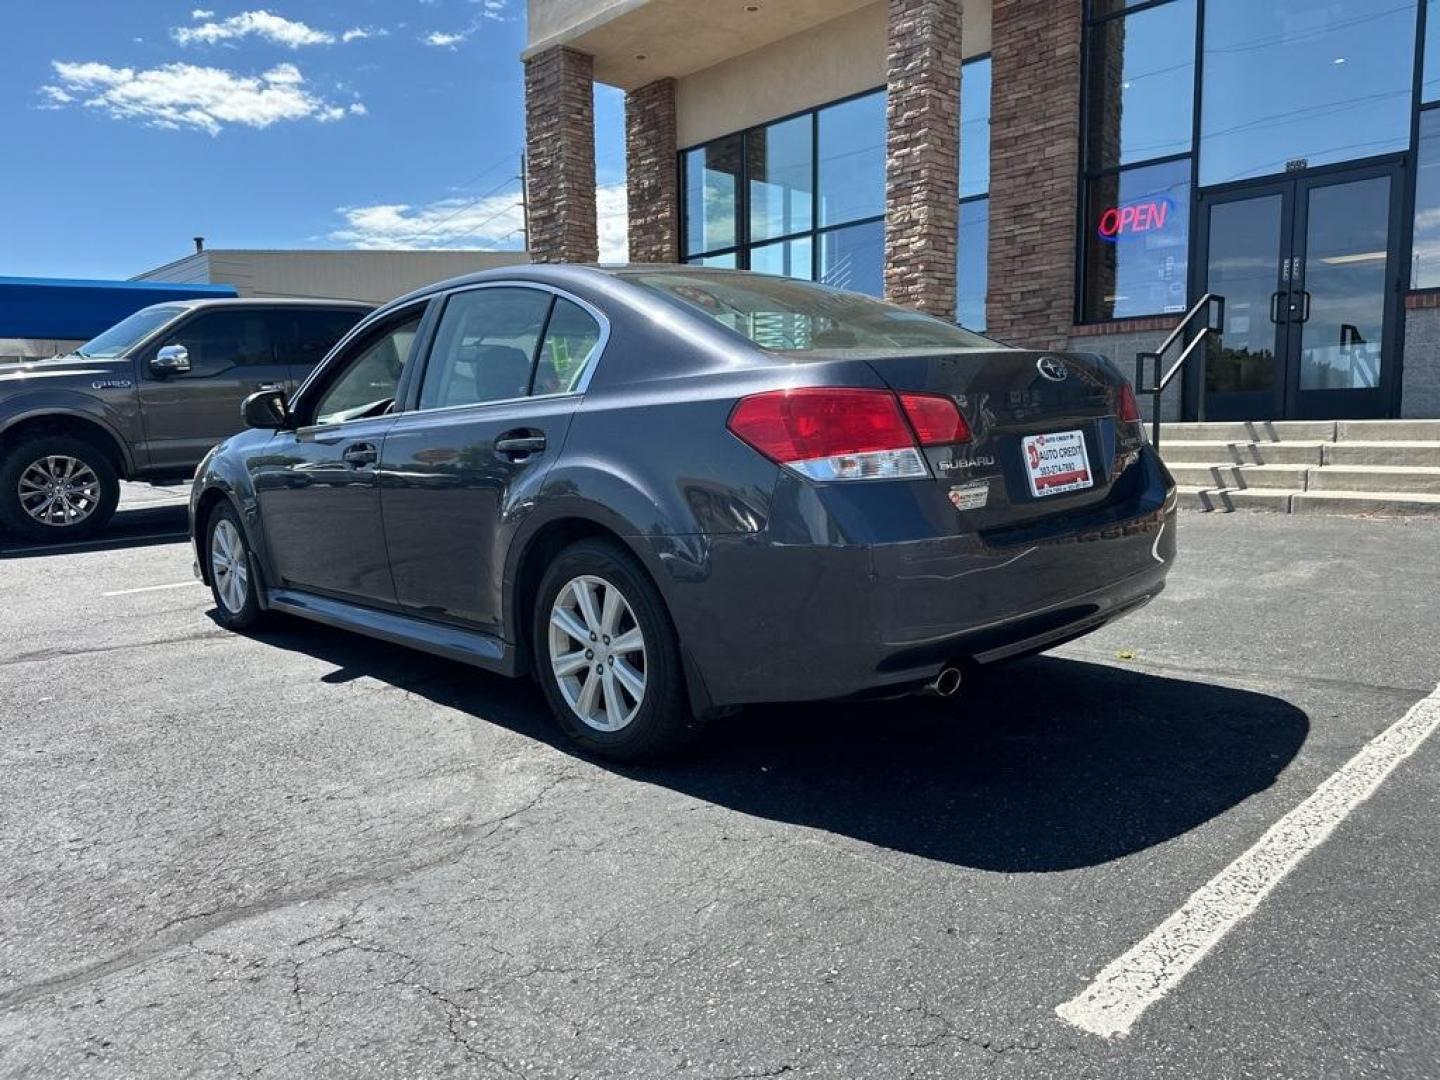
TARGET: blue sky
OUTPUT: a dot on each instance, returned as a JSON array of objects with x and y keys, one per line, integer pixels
[{"x": 132, "y": 126}]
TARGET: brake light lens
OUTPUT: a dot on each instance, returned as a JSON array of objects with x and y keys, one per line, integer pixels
[
  {"x": 835, "y": 433},
  {"x": 935, "y": 418},
  {"x": 1129, "y": 407}
]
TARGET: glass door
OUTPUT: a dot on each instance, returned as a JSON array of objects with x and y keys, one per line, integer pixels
[{"x": 1308, "y": 270}]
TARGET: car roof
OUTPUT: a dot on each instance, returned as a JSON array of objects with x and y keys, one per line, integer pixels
[{"x": 263, "y": 301}]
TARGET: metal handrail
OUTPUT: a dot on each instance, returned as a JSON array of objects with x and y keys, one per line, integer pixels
[{"x": 1204, "y": 304}]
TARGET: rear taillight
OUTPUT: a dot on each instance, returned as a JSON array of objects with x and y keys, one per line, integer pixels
[
  {"x": 830, "y": 433},
  {"x": 1129, "y": 407}
]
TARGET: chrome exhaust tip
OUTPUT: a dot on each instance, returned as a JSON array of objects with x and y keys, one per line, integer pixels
[{"x": 947, "y": 683}]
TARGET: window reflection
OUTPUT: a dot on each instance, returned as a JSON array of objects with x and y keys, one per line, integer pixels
[
  {"x": 854, "y": 258},
  {"x": 779, "y": 162},
  {"x": 975, "y": 128},
  {"x": 1425, "y": 272},
  {"x": 1293, "y": 80},
  {"x": 852, "y": 160},
  {"x": 972, "y": 272},
  {"x": 788, "y": 258},
  {"x": 1142, "y": 86},
  {"x": 1138, "y": 241},
  {"x": 712, "y": 182}
]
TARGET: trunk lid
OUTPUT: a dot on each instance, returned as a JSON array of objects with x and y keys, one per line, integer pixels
[{"x": 1046, "y": 437}]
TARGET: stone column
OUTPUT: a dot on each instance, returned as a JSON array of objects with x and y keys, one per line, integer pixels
[
  {"x": 1034, "y": 168},
  {"x": 652, "y": 172},
  {"x": 922, "y": 154},
  {"x": 560, "y": 156}
]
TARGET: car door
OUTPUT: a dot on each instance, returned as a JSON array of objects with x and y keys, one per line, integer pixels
[
  {"x": 317, "y": 485},
  {"x": 490, "y": 413},
  {"x": 231, "y": 355},
  {"x": 305, "y": 334}
]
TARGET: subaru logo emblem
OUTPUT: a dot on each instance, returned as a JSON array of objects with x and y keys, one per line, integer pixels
[{"x": 1053, "y": 368}]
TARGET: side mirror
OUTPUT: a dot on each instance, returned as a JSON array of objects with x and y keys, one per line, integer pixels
[
  {"x": 170, "y": 360},
  {"x": 266, "y": 409}
]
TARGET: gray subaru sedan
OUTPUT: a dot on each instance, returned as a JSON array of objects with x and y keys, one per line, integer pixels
[{"x": 668, "y": 491}]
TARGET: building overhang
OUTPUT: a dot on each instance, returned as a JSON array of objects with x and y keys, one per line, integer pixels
[{"x": 635, "y": 42}]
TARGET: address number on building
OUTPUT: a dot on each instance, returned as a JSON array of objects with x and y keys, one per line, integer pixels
[{"x": 1056, "y": 463}]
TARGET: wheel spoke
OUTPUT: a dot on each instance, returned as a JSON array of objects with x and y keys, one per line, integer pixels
[
  {"x": 615, "y": 709},
  {"x": 585, "y": 601},
  {"x": 612, "y": 611},
  {"x": 628, "y": 642},
  {"x": 570, "y": 663},
  {"x": 585, "y": 705},
  {"x": 629, "y": 678},
  {"x": 565, "y": 619}
]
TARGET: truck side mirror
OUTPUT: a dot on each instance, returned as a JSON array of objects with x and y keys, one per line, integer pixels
[
  {"x": 170, "y": 360},
  {"x": 266, "y": 409}
]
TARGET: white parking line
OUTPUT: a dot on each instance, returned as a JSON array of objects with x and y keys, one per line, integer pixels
[
  {"x": 1111, "y": 1004},
  {"x": 153, "y": 588}
]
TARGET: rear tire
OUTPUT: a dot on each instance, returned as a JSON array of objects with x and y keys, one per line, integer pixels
[
  {"x": 607, "y": 656},
  {"x": 57, "y": 489},
  {"x": 233, "y": 581}
]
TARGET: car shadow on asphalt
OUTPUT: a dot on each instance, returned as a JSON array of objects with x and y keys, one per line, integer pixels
[
  {"x": 1046, "y": 764},
  {"x": 143, "y": 526}
]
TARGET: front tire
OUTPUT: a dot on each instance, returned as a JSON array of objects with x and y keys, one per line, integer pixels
[
  {"x": 57, "y": 489},
  {"x": 233, "y": 581},
  {"x": 607, "y": 656}
]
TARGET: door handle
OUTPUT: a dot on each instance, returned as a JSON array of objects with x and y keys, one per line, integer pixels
[
  {"x": 359, "y": 455},
  {"x": 1275, "y": 299},
  {"x": 518, "y": 445},
  {"x": 1304, "y": 307}
]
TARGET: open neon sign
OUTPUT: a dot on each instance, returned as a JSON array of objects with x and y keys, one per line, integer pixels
[{"x": 1133, "y": 219}]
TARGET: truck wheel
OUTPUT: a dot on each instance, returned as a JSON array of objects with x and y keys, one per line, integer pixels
[
  {"x": 57, "y": 489},
  {"x": 607, "y": 656}
]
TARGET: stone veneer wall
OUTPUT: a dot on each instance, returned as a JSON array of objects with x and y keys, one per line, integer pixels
[
  {"x": 922, "y": 148},
  {"x": 652, "y": 176},
  {"x": 1034, "y": 170},
  {"x": 1420, "y": 377},
  {"x": 560, "y": 156}
]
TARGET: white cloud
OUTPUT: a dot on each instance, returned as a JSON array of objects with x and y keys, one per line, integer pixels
[
  {"x": 360, "y": 33},
  {"x": 492, "y": 9},
  {"x": 442, "y": 40},
  {"x": 202, "y": 13},
  {"x": 185, "y": 96},
  {"x": 273, "y": 28},
  {"x": 458, "y": 223}
]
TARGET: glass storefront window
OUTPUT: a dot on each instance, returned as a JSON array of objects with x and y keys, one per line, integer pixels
[
  {"x": 852, "y": 160},
  {"x": 712, "y": 186},
  {"x": 1295, "y": 80},
  {"x": 972, "y": 265},
  {"x": 1430, "y": 72},
  {"x": 975, "y": 128},
  {"x": 1137, "y": 241},
  {"x": 789, "y": 258},
  {"x": 720, "y": 262},
  {"x": 779, "y": 159},
  {"x": 1142, "y": 86},
  {"x": 854, "y": 258},
  {"x": 1425, "y": 257}
]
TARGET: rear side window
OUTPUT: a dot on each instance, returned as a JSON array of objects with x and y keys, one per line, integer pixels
[
  {"x": 303, "y": 336},
  {"x": 485, "y": 347},
  {"x": 571, "y": 341}
]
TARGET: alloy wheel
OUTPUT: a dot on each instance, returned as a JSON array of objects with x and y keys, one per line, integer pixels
[
  {"x": 597, "y": 652},
  {"x": 59, "y": 491},
  {"x": 229, "y": 567}
]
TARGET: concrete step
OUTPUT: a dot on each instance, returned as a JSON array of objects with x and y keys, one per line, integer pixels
[
  {"x": 1402, "y": 453},
  {"x": 1248, "y": 431},
  {"x": 1398, "y": 478},
  {"x": 1388, "y": 430},
  {"x": 1290, "y": 477},
  {"x": 1225, "y": 500},
  {"x": 1387, "y": 503},
  {"x": 1213, "y": 452}
]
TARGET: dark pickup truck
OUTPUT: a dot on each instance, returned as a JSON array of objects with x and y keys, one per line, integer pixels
[{"x": 144, "y": 401}]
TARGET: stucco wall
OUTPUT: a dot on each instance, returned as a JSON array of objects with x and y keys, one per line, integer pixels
[
  {"x": 833, "y": 60},
  {"x": 1420, "y": 377}
]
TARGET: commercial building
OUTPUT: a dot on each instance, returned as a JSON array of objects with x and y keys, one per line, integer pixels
[
  {"x": 369, "y": 276},
  {"x": 1061, "y": 173}
]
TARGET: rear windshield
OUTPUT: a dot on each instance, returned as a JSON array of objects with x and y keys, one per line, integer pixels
[
  {"x": 128, "y": 332},
  {"x": 799, "y": 316}
]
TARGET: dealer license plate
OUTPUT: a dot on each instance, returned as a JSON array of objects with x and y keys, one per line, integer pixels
[{"x": 1056, "y": 462}]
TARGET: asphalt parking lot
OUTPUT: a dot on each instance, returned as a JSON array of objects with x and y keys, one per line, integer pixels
[{"x": 303, "y": 854}]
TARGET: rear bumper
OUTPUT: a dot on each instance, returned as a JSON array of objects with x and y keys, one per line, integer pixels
[{"x": 763, "y": 621}]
